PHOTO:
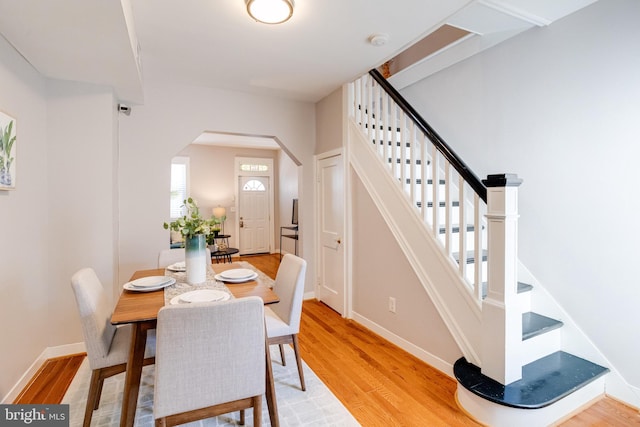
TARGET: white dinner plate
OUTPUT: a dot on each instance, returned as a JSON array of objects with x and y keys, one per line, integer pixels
[
  {"x": 150, "y": 281},
  {"x": 130, "y": 287},
  {"x": 201, "y": 295},
  {"x": 178, "y": 266},
  {"x": 237, "y": 273},
  {"x": 245, "y": 279}
]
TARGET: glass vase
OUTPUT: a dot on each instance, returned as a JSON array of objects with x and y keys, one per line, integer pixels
[{"x": 196, "y": 259}]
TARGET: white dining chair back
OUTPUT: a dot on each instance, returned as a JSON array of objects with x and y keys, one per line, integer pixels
[
  {"x": 283, "y": 318},
  {"x": 167, "y": 257},
  {"x": 107, "y": 345},
  {"x": 289, "y": 285},
  {"x": 210, "y": 360}
]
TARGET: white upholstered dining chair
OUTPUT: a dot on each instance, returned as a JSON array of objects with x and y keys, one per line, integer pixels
[
  {"x": 283, "y": 318},
  {"x": 167, "y": 257},
  {"x": 107, "y": 345},
  {"x": 210, "y": 361}
]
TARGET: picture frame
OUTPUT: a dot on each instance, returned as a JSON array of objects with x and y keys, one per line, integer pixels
[{"x": 7, "y": 151}]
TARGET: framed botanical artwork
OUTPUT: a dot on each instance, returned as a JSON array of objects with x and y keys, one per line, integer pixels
[{"x": 7, "y": 152}]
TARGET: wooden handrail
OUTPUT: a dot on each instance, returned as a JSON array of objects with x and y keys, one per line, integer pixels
[{"x": 464, "y": 171}]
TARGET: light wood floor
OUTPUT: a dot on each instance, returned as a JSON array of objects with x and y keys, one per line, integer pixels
[{"x": 379, "y": 383}]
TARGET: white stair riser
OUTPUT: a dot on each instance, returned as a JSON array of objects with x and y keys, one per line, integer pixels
[
  {"x": 494, "y": 415},
  {"x": 470, "y": 272},
  {"x": 524, "y": 302},
  {"x": 455, "y": 241},
  {"x": 442, "y": 211},
  {"x": 541, "y": 345}
]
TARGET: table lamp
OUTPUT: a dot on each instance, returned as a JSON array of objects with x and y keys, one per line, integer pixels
[{"x": 220, "y": 213}]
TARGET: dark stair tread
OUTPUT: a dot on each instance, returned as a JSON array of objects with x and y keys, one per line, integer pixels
[
  {"x": 544, "y": 381},
  {"x": 534, "y": 324},
  {"x": 390, "y": 143},
  {"x": 456, "y": 228},
  {"x": 407, "y": 161},
  {"x": 522, "y": 288},
  {"x": 470, "y": 256},
  {"x": 429, "y": 181},
  {"x": 455, "y": 203}
]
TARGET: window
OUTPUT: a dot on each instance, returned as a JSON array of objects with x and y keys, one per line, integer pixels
[
  {"x": 254, "y": 185},
  {"x": 247, "y": 167},
  {"x": 179, "y": 185}
]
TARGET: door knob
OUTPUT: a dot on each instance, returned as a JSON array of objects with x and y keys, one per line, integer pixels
[{"x": 338, "y": 240}]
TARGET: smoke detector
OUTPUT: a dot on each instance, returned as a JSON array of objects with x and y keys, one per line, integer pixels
[{"x": 378, "y": 39}]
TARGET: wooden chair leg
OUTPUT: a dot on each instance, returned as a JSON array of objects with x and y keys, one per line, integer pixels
[
  {"x": 257, "y": 411},
  {"x": 284, "y": 361},
  {"x": 241, "y": 417},
  {"x": 95, "y": 387},
  {"x": 98, "y": 392},
  {"x": 294, "y": 338}
]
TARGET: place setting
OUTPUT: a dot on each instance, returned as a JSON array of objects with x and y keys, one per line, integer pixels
[
  {"x": 178, "y": 267},
  {"x": 236, "y": 275},
  {"x": 200, "y": 295},
  {"x": 149, "y": 283}
]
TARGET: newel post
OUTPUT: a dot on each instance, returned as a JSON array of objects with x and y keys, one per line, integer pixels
[{"x": 501, "y": 315}]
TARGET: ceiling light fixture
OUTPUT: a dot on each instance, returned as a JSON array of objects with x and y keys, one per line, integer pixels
[{"x": 270, "y": 11}]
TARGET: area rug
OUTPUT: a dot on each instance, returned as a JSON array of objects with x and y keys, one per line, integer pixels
[{"x": 315, "y": 407}]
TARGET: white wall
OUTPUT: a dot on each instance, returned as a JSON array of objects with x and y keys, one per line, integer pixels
[
  {"x": 81, "y": 153},
  {"x": 23, "y": 214},
  {"x": 171, "y": 118},
  {"x": 559, "y": 107},
  {"x": 61, "y": 215},
  {"x": 380, "y": 270},
  {"x": 329, "y": 111}
]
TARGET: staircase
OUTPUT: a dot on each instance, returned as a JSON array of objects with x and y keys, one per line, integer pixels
[{"x": 514, "y": 370}]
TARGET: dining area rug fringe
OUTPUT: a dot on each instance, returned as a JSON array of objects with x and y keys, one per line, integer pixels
[{"x": 315, "y": 407}]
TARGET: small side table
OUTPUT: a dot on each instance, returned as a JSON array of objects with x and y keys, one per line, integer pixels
[
  {"x": 223, "y": 254},
  {"x": 293, "y": 236}
]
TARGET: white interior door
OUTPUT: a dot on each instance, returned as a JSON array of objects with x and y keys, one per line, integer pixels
[
  {"x": 253, "y": 215},
  {"x": 331, "y": 288}
]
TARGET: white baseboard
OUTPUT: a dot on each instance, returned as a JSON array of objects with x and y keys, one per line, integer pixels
[
  {"x": 48, "y": 353},
  {"x": 444, "y": 367},
  {"x": 617, "y": 388}
]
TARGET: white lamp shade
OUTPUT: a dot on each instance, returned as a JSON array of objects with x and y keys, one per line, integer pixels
[
  {"x": 219, "y": 212},
  {"x": 270, "y": 11}
]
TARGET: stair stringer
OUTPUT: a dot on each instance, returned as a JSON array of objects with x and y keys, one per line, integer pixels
[{"x": 436, "y": 271}]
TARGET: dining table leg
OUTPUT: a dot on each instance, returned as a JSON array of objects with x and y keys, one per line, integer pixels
[
  {"x": 271, "y": 391},
  {"x": 134, "y": 372}
]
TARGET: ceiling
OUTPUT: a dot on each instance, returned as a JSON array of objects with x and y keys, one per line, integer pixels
[{"x": 214, "y": 43}]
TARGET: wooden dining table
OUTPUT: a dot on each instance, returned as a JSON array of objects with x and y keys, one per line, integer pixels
[{"x": 140, "y": 309}]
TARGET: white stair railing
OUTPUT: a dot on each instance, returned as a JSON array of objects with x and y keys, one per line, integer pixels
[{"x": 444, "y": 192}]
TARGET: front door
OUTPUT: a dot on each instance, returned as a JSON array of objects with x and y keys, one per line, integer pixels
[
  {"x": 331, "y": 288},
  {"x": 253, "y": 215}
]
